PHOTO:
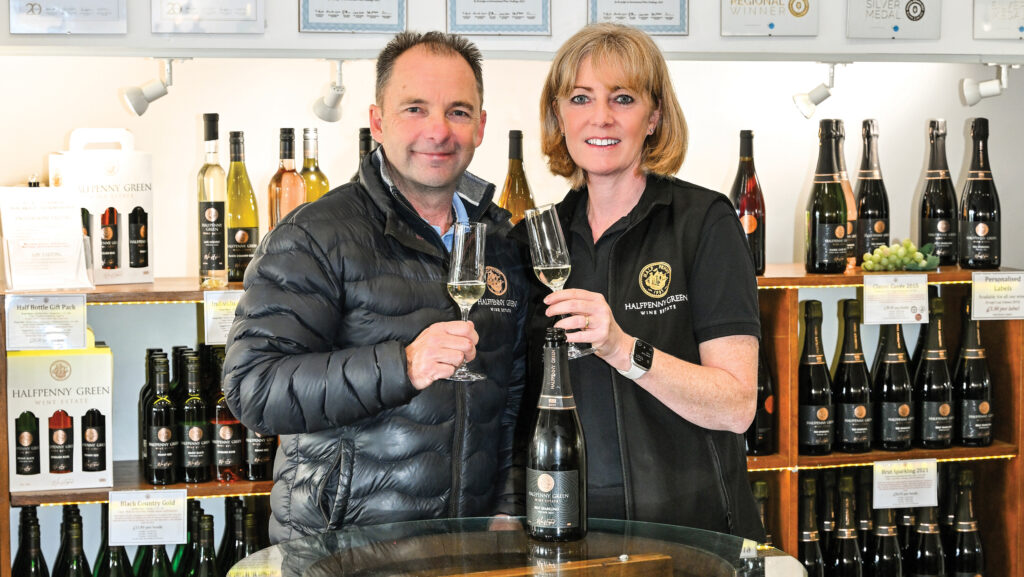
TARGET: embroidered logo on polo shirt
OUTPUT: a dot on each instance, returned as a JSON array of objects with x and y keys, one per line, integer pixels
[
  {"x": 496, "y": 281},
  {"x": 655, "y": 279}
]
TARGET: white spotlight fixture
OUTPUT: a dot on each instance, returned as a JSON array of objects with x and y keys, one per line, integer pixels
[
  {"x": 328, "y": 106},
  {"x": 972, "y": 91},
  {"x": 806, "y": 102},
  {"x": 137, "y": 98}
]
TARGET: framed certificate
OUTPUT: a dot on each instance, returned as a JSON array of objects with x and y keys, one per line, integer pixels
[
  {"x": 998, "y": 20},
  {"x": 512, "y": 17},
  {"x": 896, "y": 19},
  {"x": 796, "y": 18},
  {"x": 653, "y": 16},
  {"x": 69, "y": 17},
  {"x": 208, "y": 16},
  {"x": 380, "y": 16}
]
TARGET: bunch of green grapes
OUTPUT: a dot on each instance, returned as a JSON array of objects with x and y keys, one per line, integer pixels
[{"x": 900, "y": 256}]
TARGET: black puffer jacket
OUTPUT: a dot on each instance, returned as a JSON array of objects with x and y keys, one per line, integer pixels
[{"x": 317, "y": 354}]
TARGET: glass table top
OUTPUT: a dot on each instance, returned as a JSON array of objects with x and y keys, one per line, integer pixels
[{"x": 500, "y": 547}]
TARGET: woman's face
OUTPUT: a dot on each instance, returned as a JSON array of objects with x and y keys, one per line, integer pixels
[{"x": 605, "y": 125}]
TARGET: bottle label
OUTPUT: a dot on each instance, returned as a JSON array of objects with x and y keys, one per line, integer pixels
[
  {"x": 814, "y": 359},
  {"x": 831, "y": 243},
  {"x": 935, "y": 355},
  {"x": 854, "y": 423},
  {"x": 897, "y": 422},
  {"x": 556, "y": 403},
  {"x": 242, "y": 244},
  {"x": 941, "y": 233},
  {"x": 872, "y": 233},
  {"x": 62, "y": 449},
  {"x": 852, "y": 358},
  {"x": 816, "y": 425},
  {"x": 979, "y": 240},
  {"x": 936, "y": 421},
  {"x": 976, "y": 423},
  {"x": 749, "y": 223},
  {"x": 163, "y": 448},
  {"x": 227, "y": 445},
  {"x": 27, "y": 453},
  {"x": 259, "y": 449},
  {"x": 895, "y": 358},
  {"x": 195, "y": 445},
  {"x": 211, "y": 236},
  {"x": 108, "y": 246},
  {"x": 138, "y": 246},
  {"x": 94, "y": 449},
  {"x": 967, "y": 574},
  {"x": 552, "y": 499}
]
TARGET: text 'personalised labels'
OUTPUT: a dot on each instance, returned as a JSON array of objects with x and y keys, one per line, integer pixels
[{"x": 997, "y": 295}]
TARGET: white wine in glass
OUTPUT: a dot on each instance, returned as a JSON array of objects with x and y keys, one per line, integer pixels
[
  {"x": 553, "y": 276},
  {"x": 466, "y": 278}
]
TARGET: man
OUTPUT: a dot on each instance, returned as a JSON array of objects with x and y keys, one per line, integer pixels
[{"x": 345, "y": 333}]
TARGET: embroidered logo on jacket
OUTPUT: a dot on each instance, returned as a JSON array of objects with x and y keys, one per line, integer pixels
[
  {"x": 496, "y": 281},
  {"x": 655, "y": 279}
]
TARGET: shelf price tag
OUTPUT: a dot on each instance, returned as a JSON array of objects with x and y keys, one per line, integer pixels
[
  {"x": 45, "y": 323},
  {"x": 895, "y": 299},
  {"x": 905, "y": 484},
  {"x": 218, "y": 314},
  {"x": 997, "y": 295},
  {"x": 148, "y": 517}
]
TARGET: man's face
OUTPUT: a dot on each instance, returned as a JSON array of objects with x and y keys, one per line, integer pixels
[{"x": 429, "y": 121}]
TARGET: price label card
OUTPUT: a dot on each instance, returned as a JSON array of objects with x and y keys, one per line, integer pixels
[
  {"x": 147, "y": 517},
  {"x": 218, "y": 314},
  {"x": 997, "y": 295},
  {"x": 745, "y": 18},
  {"x": 894, "y": 19},
  {"x": 895, "y": 299},
  {"x": 998, "y": 20},
  {"x": 45, "y": 323},
  {"x": 905, "y": 484},
  {"x": 516, "y": 17},
  {"x": 651, "y": 16}
]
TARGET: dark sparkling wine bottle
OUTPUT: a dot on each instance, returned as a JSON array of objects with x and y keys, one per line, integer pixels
[
  {"x": 556, "y": 469},
  {"x": 809, "y": 545},
  {"x": 852, "y": 386},
  {"x": 94, "y": 441},
  {"x": 138, "y": 238},
  {"x": 205, "y": 562},
  {"x": 761, "y": 498},
  {"x": 872, "y": 199},
  {"x": 865, "y": 517},
  {"x": 886, "y": 559},
  {"x": 109, "y": 248},
  {"x": 968, "y": 558},
  {"x": 922, "y": 337},
  {"x": 827, "y": 506},
  {"x": 162, "y": 428},
  {"x": 972, "y": 386},
  {"x": 184, "y": 552},
  {"x": 928, "y": 558},
  {"x": 845, "y": 560},
  {"x": 62, "y": 442},
  {"x": 145, "y": 397},
  {"x": 879, "y": 355},
  {"x": 195, "y": 427},
  {"x": 906, "y": 520},
  {"x": 760, "y": 436},
  {"x": 979, "y": 207},
  {"x": 26, "y": 451},
  {"x": 749, "y": 202},
  {"x": 894, "y": 424},
  {"x": 154, "y": 562},
  {"x": 825, "y": 219},
  {"x": 848, "y": 197},
  {"x": 32, "y": 563},
  {"x": 815, "y": 388},
  {"x": 939, "y": 221},
  {"x": 947, "y": 491},
  {"x": 933, "y": 386}
]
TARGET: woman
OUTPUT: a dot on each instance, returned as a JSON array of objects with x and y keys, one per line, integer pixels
[{"x": 654, "y": 260}]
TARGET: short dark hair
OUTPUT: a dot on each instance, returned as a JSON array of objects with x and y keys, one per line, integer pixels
[{"x": 439, "y": 43}]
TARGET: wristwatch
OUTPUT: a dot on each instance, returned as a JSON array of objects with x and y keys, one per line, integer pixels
[{"x": 640, "y": 358}]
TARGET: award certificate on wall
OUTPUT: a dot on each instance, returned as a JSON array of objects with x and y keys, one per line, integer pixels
[
  {"x": 380, "y": 16},
  {"x": 208, "y": 16},
  {"x": 770, "y": 18},
  {"x": 653, "y": 17},
  {"x": 894, "y": 19},
  {"x": 998, "y": 20},
  {"x": 508, "y": 17},
  {"x": 69, "y": 17}
]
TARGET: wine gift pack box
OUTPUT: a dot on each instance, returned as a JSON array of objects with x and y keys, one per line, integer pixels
[
  {"x": 115, "y": 187},
  {"x": 59, "y": 417}
]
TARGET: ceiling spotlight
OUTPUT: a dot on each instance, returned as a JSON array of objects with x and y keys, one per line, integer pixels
[
  {"x": 806, "y": 102},
  {"x": 138, "y": 97},
  {"x": 328, "y": 106},
  {"x": 972, "y": 91}
]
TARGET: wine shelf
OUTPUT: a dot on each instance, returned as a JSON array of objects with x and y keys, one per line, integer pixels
[{"x": 997, "y": 450}]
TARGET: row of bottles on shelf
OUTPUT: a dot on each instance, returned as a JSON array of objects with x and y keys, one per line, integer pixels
[
  {"x": 61, "y": 442},
  {"x": 245, "y": 532},
  {"x": 901, "y": 401},
  {"x": 843, "y": 229},
  {"x": 187, "y": 431}
]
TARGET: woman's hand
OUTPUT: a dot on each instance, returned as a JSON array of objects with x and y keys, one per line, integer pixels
[{"x": 589, "y": 312}]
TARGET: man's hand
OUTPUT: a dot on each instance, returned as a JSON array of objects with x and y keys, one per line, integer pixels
[{"x": 438, "y": 351}]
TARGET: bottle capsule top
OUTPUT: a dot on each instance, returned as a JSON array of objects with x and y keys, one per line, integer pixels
[
  {"x": 937, "y": 127},
  {"x": 979, "y": 128}
]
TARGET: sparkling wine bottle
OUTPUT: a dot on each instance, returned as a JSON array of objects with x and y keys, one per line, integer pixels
[
  {"x": 928, "y": 559},
  {"x": 865, "y": 517},
  {"x": 894, "y": 424},
  {"x": 848, "y": 198},
  {"x": 886, "y": 559},
  {"x": 825, "y": 222},
  {"x": 762, "y": 495},
  {"x": 845, "y": 560},
  {"x": 968, "y": 557},
  {"x": 760, "y": 436},
  {"x": 815, "y": 388},
  {"x": 872, "y": 199},
  {"x": 972, "y": 386},
  {"x": 809, "y": 545},
  {"x": 980, "y": 240},
  {"x": 939, "y": 222},
  {"x": 933, "y": 386},
  {"x": 852, "y": 386}
]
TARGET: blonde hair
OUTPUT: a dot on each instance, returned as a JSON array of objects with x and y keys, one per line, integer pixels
[{"x": 634, "y": 55}]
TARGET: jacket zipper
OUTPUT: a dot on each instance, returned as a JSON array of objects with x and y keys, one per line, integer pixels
[
  {"x": 323, "y": 484},
  {"x": 627, "y": 490},
  {"x": 454, "y": 508},
  {"x": 721, "y": 481}
]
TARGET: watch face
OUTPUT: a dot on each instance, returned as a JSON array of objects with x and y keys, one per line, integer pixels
[{"x": 643, "y": 355}]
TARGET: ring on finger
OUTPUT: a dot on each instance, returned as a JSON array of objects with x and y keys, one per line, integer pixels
[{"x": 586, "y": 322}]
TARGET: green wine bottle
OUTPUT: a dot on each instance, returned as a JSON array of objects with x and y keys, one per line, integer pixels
[
  {"x": 316, "y": 181},
  {"x": 205, "y": 564},
  {"x": 32, "y": 564},
  {"x": 155, "y": 563},
  {"x": 243, "y": 213}
]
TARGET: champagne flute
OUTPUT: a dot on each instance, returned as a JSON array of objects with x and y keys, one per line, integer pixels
[
  {"x": 466, "y": 278},
  {"x": 550, "y": 256}
]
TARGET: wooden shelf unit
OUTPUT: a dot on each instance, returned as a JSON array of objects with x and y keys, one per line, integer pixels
[{"x": 998, "y": 470}]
